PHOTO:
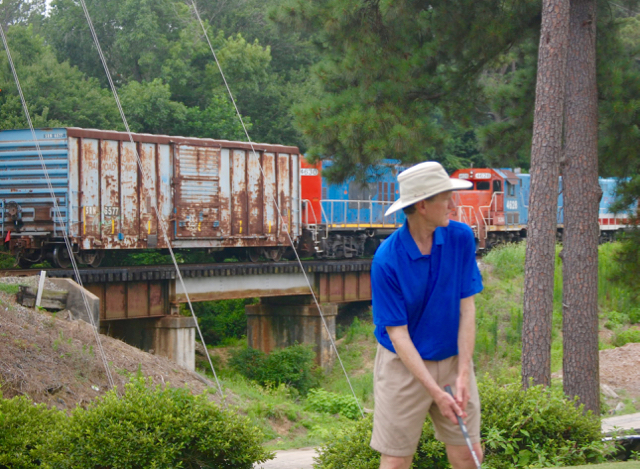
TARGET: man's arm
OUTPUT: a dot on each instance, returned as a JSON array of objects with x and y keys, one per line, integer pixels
[
  {"x": 409, "y": 355},
  {"x": 466, "y": 344}
]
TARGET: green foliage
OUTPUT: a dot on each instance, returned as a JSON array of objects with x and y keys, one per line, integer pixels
[
  {"x": 220, "y": 320},
  {"x": 393, "y": 75},
  {"x": 533, "y": 428},
  {"x": 167, "y": 75},
  {"x": 57, "y": 94},
  {"x": 9, "y": 288},
  {"x": 293, "y": 366},
  {"x": 624, "y": 337},
  {"x": 536, "y": 428},
  {"x": 155, "y": 427},
  {"x": 320, "y": 400},
  {"x": 23, "y": 426}
]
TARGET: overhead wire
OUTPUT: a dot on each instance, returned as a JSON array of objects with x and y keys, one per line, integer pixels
[
  {"x": 57, "y": 212},
  {"x": 275, "y": 202},
  {"x": 147, "y": 184}
]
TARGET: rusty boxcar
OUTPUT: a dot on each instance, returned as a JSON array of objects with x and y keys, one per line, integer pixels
[{"x": 213, "y": 194}]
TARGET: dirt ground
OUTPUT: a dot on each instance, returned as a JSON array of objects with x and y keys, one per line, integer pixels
[
  {"x": 56, "y": 361},
  {"x": 620, "y": 369}
]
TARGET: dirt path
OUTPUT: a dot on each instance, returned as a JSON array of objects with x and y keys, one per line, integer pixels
[{"x": 291, "y": 459}]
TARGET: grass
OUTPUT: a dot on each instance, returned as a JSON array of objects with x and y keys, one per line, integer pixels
[
  {"x": 613, "y": 465},
  {"x": 499, "y": 307},
  {"x": 9, "y": 288}
]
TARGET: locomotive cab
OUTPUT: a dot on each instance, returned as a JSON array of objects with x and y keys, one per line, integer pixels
[{"x": 492, "y": 206}]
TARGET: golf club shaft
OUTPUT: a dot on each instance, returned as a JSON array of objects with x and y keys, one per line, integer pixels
[{"x": 465, "y": 433}]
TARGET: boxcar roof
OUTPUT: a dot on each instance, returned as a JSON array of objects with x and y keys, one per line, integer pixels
[{"x": 166, "y": 139}]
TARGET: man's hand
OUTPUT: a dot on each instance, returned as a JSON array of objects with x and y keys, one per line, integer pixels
[
  {"x": 462, "y": 391},
  {"x": 449, "y": 407}
]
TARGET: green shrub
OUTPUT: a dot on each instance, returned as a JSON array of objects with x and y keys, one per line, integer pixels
[
  {"x": 157, "y": 428},
  {"x": 536, "y": 428},
  {"x": 293, "y": 366},
  {"x": 249, "y": 362},
  {"x": 220, "y": 320},
  {"x": 533, "y": 428},
  {"x": 320, "y": 400},
  {"x": 627, "y": 336},
  {"x": 615, "y": 319},
  {"x": 23, "y": 426}
]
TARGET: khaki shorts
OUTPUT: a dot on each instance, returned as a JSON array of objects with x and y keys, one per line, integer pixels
[{"x": 402, "y": 403}]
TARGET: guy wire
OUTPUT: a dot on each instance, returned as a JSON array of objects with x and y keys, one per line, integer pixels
[
  {"x": 306, "y": 277},
  {"x": 147, "y": 186},
  {"x": 58, "y": 214}
]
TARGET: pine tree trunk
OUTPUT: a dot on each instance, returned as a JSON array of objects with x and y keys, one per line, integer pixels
[
  {"x": 581, "y": 199},
  {"x": 545, "y": 156}
]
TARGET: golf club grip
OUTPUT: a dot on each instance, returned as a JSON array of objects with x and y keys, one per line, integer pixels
[
  {"x": 463, "y": 427},
  {"x": 460, "y": 422}
]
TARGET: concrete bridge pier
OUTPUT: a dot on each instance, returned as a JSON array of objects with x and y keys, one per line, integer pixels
[
  {"x": 278, "y": 322},
  {"x": 173, "y": 337}
]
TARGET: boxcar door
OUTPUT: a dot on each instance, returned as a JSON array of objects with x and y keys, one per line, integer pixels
[{"x": 196, "y": 182}]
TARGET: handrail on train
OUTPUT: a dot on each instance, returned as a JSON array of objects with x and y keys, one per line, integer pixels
[{"x": 335, "y": 204}]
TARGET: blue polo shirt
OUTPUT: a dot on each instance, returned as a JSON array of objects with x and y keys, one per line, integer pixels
[{"x": 423, "y": 292}]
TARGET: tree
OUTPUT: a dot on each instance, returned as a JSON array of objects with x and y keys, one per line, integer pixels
[
  {"x": 545, "y": 159},
  {"x": 57, "y": 94},
  {"x": 20, "y": 12},
  {"x": 581, "y": 199},
  {"x": 390, "y": 70}
]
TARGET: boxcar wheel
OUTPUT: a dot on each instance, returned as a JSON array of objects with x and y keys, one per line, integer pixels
[
  {"x": 254, "y": 254},
  {"x": 274, "y": 254},
  {"x": 97, "y": 259},
  {"x": 61, "y": 257}
]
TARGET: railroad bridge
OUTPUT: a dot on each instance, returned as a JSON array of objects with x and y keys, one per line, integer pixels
[{"x": 141, "y": 305}]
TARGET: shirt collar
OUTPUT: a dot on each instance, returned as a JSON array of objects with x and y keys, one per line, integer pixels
[{"x": 412, "y": 247}]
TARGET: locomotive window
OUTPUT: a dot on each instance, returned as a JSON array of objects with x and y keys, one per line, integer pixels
[
  {"x": 483, "y": 185},
  {"x": 497, "y": 186},
  {"x": 511, "y": 189}
]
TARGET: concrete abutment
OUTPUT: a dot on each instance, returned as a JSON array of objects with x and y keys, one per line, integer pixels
[
  {"x": 173, "y": 337},
  {"x": 278, "y": 322}
]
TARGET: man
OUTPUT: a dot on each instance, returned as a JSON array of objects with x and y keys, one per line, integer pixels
[{"x": 423, "y": 278}]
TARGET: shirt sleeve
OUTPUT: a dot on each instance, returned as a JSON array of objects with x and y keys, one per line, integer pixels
[
  {"x": 471, "y": 277},
  {"x": 387, "y": 300}
]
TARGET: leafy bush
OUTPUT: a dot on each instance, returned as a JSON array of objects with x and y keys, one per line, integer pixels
[
  {"x": 533, "y": 428},
  {"x": 293, "y": 366},
  {"x": 333, "y": 403},
  {"x": 23, "y": 426},
  {"x": 155, "y": 427},
  {"x": 615, "y": 319},
  {"x": 350, "y": 449},
  {"x": 537, "y": 427},
  {"x": 220, "y": 320},
  {"x": 627, "y": 336}
]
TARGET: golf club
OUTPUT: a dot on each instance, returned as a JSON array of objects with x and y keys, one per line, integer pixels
[{"x": 463, "y": 427}]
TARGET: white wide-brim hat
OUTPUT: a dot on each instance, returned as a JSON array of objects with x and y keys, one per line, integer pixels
[{"x": 422, "y": 181}]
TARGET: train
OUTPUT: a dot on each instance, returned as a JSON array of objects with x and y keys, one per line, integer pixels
[
  {"x": 116, "y": 191},
  {"x": 497, "y": 206}
]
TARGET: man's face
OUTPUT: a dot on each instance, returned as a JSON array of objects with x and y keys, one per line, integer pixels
[{"x": 437, "y": 209}]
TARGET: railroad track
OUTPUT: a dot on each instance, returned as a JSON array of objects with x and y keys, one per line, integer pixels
[{"x": 161, "y": 272}]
